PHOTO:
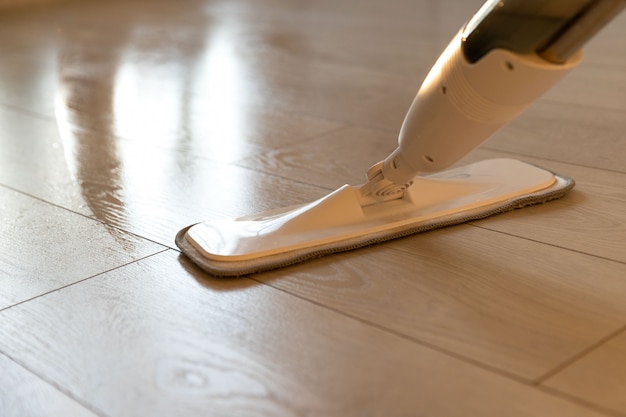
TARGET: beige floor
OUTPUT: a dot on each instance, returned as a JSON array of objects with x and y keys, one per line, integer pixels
[{"x": 123, "y": 121}]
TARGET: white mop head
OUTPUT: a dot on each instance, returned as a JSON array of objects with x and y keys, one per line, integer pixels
[{"x": 338, "y": 222}]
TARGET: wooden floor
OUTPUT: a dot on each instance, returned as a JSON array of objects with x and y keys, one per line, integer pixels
[{"x": 123, "y": 121}]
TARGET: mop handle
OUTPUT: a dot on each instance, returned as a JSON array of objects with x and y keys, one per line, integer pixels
[
  {"x": 507, "y": 55},
  {"x": 555, "y": 29}
]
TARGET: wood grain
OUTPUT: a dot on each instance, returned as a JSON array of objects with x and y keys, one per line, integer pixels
[
  {"x": 170, "y": 341},
  {"x": 25, "y": 395},
  {"x": 508, "y": 303},
  {"x": 579, "y": 135},
  {"x": 332, "y": 160},
  {"x": 600, "y": 86}
]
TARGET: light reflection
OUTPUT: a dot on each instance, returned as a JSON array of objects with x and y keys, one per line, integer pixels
[
  {"x": 224, "y": 79},
  {"x": 147, "y": 99},
  {"x": 153, "y": 105},
  {"x": 66, "y": 130},
  {"x": 139, "y": 129},
  {"x": 147, "y": 104},
  {"x": 164, "y": 103}
]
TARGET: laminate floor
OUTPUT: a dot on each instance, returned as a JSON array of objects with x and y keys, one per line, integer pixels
[{"x": 123, "y": 121}]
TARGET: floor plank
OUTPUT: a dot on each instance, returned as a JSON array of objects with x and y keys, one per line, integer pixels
[
  {"x": 170, "y": 341},
  {"x": 599, "y": 377},
  {"x": 590, "y": 85},
  {"x": 251, "y": 62},
  {"x": 489, "y": 297},
  {"x": 34, "y": 160},
  {"x": 340, "y": 157},
  {"x": 25, "y": 395},
  {"x": 144, "y": 188},
  {"x": 44, "y": 248},
  {"x": 589, "y": 219},
  {"x": 579, "y": 135},
  {"x": 150, "y": 115}
]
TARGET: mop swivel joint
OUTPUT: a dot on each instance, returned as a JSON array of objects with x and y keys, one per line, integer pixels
[{"x": 380, "y": 188}]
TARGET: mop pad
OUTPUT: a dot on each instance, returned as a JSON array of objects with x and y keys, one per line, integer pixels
[{"x": 340, "y": 221}]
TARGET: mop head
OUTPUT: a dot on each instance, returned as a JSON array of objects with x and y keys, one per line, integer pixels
[{"x": 340, "y": 222}]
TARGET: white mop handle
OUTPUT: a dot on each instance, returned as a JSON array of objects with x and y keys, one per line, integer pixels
[{"x": 461, "y": 104}]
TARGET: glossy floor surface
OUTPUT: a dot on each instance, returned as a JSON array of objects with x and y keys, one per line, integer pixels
[{"x": 123, "y": 121}]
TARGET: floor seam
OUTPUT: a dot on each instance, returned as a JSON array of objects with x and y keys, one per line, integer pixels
[
  {"x": 473, "y": 224},
  {"x": 86, "y": 216},
  {"x": 580, "y": 355},
  {"x": 580, "y": 401},
  {"x": 434, "y": 347},
  {"x": 71, "y": 284},
  {"x": 56, "y": 386},
  {"x": 604, "y": 258},
  {"x": 547, "y": 159}
]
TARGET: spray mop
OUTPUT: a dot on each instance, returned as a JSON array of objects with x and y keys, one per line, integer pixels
[{"x": 506, "y": 56}]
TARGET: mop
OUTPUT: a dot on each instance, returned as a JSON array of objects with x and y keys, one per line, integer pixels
[{"x": 489, "y": 73}]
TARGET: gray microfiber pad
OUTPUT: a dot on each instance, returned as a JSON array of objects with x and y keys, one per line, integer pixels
[{"x": 233, "y": 268}]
